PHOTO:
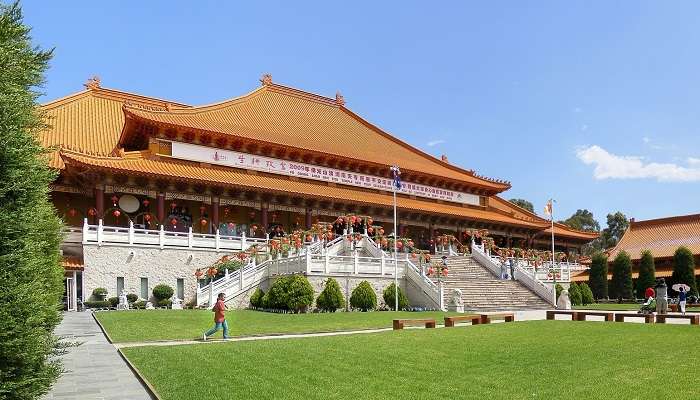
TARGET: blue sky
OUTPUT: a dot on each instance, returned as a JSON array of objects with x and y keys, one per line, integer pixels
[{"x": 592, "y": 102}]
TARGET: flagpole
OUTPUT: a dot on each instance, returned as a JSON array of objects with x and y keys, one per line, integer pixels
[
  {"x": 396, "y": 259},
  {"x": 554, "y": 271}
]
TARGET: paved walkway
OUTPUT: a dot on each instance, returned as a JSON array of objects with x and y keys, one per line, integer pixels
[{"x": 93, "y": 370}]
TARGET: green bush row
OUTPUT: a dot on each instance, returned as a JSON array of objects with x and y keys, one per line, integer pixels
[{"x": 295, "y": 293}]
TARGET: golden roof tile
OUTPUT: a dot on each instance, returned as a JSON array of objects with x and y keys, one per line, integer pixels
[{"x": 662, "y": 236}]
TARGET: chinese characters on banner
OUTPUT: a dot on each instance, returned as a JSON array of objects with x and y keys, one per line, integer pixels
[{"x": 229, "y": 158}]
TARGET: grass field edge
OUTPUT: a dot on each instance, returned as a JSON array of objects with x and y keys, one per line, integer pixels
[{"x": 142, "y": 379}]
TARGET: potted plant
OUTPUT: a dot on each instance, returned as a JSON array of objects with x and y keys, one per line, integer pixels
[{"x": 100, "y": 294}]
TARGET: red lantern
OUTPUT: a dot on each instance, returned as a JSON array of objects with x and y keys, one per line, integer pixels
[
  {"x": 231, "y": 225},
  {"x": 444, "y": 272},
  {"x": 173, "y": 221},
  {"x": 212, "y": 271},
  {"x": 410, "y": 243},
  {"x": 115, "y": 199},
  {"x": 308, "y": 238},
  {"x": 116, "y": 213},
  {"x": 224, "y": 259},
  {"x": 173, "y": 205},
  {"x": 399, "y": 244},
  {"x": 147, "y": 217},
  {"x": 146, "y": 202},
  {"x": 203, "y": 221},
  {"x": 274, "y": 217},
  {"x": 92, "y": 212},
  {"x": 202, "y": 209},
  {"x": 431, "y": 271},
  {"x": 381, "y": 231},
  {"x": 72, "y": 212},
  {"x": 198, "y": 273},
  {"x": 227, "y": 210}
]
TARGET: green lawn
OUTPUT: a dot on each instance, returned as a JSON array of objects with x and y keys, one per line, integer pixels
[
  {"x": 150, "y": 325},
  {"x": 521, "y": 360},
  {"x": 609, "y": 306}
]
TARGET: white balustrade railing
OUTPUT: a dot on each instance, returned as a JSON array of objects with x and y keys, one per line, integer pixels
[
  {"x": 233, "y": 283},
  {"x": 483, "y": 257},
  {"x": 131, "y": 236},
  {"x": 433, "y": 291}
]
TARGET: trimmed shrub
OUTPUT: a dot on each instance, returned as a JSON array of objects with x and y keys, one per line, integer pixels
[
  {"x": 132, "y": 298},
  {"x": 300, "y": 293},
  {"x": 256, "y": 300},
  {"x": 363, "y": 297},
  {"x": 574, "y": 294},
  {"x": 586, "y": 293},
  {"x": 163, "y": 292},
  {"x": 331, "y": 298},
  {"x": 165, "y": 303},
  {"x": 598, "y": 278},
  {"x": 276, "y": 297},
  {"x": 647, "y": 273},
  {"x": 99, "y": 293},
  {"x": 558, "y": 288},
  {"x": 390, "y": 298},
  {"x": 113, "y": 301},
  {"x": 141, "y": 304},
  {"x": 621, "y": 285},
  {"x": 96, "y": 304},
  {"x": 684, "y": 269}
]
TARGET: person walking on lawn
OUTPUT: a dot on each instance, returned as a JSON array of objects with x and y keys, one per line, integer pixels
[
  {"x": 219, "y": 318},
  {"x": 682, "y": 295}
]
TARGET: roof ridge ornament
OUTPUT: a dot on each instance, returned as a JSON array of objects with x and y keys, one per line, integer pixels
[
  {"x": 339, "y": 99},
  {"x": 92, "y": 83},
  {"x": 444, "y": 159},
  {"x": 266, "y": 79}
]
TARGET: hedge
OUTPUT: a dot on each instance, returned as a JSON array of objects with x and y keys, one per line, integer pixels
[
  {"x": 97, "y": 304},
  {"x": 256, "y": 300},
  {"x": 363, "y": 297},
  {"x": 163, "y": 292},
  {"x": 390, "y": 298},
  {"x": 113, "y": 301},
  {"x": 574, "y": 294},
  {"x": 293, "y": 293},
  {"x": 586, "y": 293}
]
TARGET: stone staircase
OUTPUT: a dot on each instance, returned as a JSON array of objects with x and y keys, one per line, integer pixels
[{"x": 482, "y": 291}]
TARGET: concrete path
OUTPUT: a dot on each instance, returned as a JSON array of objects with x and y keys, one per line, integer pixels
[{"x": 93, "y": 370}]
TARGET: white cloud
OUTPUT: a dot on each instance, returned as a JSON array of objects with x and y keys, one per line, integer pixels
[
  {"x": 577, "y": 109},
  {"x": 584, "y": 127},
  {"x": 646, "y": 139},
  {"x": 611, "y": 166},
  {"x": 435, "y": 142}
]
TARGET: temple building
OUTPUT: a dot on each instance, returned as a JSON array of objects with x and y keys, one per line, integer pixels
[
  {"x": 186, "y": 177},
  {"x": 662, "y": 237}
]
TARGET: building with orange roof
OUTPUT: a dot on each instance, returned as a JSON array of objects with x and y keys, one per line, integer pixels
[
  {"x": 274, "y": 156},
  {"x": 662, "y": 237}
]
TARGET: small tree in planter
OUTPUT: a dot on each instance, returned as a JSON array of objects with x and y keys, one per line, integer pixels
[
  {"x": 363, "y": 297},
  {"x": 331, "y": 298},
  {"x": 163, "y": 293},
  {"x": 100, "y": 294},
  {"x": 389, "y": 297}
]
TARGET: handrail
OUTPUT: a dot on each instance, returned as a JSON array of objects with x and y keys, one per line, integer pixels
[
  {"x": 538, "y": 287},
  {"x": 434, "y": 292}
]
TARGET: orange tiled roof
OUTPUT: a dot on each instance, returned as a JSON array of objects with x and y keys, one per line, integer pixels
[
  {"x": 661, "y": 236},
  {"x": 290, "y": 117},
  {"x": 583, "y": 276},
  {"x": 559, "y": 229},
  {"x": 90, "y": 121},
  {"x": 137, "y": 165},
  {"x": 72, "y": 263}
]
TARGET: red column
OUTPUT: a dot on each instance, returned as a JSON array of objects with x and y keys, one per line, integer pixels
[
  {"x": 99, "y": 202},
  {"x": 160, "y": 210},
  {"x": 263, "y": 218},
  {"x": 308, "y": 218},
  {"x": 215, "y": 213}
]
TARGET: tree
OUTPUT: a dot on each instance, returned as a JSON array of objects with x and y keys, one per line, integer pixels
[
  {"x": 574, "y": 294},
  {"x": 583, "y": 221},
  {"x": 331, "y": 298},
  {"x": 586, "y": 293},
  {"x": 31, "y": 277},
  {"x": 598, "y": 278},
  {"x": 363, "y": 297},
  {"x": 684, "y": 269},
  {"x": 617, "y": 225},
  {"x": 647, "y": 273},
  {"x": 621, "y": 285},
  {"x": 522, "y": 203}
]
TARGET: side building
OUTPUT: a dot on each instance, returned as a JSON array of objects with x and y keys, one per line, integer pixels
[{"x": 152, "y": 189}]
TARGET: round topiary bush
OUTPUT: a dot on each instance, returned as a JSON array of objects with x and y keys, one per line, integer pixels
[
  {"x": 132, "y": 298},
  {"x": 390, "y": 298},
  {"x": 256, "y": 300},
  {"x": 300, "y": 293},
  {"x": 163, "y": 292},
  {"x": 99, "y": 293},
  {"x": 276, "y": 297},
  {"x": 574, "y": 294},
  {"x": 331, "y": 298},
  {"x": 586, "y": 293},
  {"x": 113, "y": 301},
  {"x": 363, "y": 297}
]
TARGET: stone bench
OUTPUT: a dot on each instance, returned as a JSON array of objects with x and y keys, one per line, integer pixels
[
  {"x": 399, "y": 323},
  {"x": 552, "y": 313},
  {"x": 486, "y": 318},
  {"x": 648, "y": 318},
  {"x": 581, "y": 315},
  {"x": 450, "y": 321},
  {"x": 694, "y": 319}
]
